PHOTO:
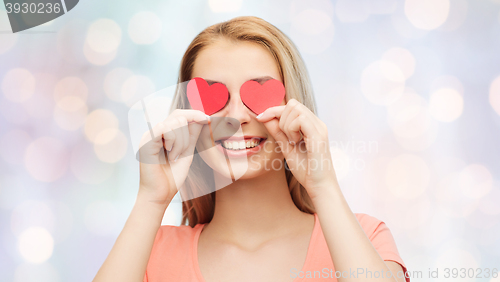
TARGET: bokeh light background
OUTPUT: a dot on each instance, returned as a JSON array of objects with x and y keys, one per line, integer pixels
[{"x": 409, "y": 89}]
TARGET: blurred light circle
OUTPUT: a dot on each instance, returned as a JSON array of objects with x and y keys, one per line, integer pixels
[
  {"x": 36, "y": 244},
  {"x": 98, "y": 121},
  {"x": 312, "y": 30},
  {"x": 382, "y": 82},
  {"x": 446, "y": 104},
  {"x": 71, "y": 86},
  {"x": 18, "y": 85},
  {"x": 13, "y": 144},
  {"x": 104, "y": 36},
  {"x": 86, "y": 167},
  {"x": 136, "y": 87},
  {"x": 495, "y": 94},
  {"x": 102, "y": 218},
  {"x": 427, "y": 14},
  {"x": 408, "y": 116},
  {"x": 98, "y": 58},
  {"x": 402, "y": 58},
  {"x": 46, "y": 159},
  {"x": 352, "y": 11},
  {"x": 32, "y": 213},
  {"x": 407, "y": 176},
  {"x": 456, "y": 16},
  {"x": 476, "y": 181},
  {"x": 145, "y": 28},
  {"x": 110, "y": 145},
  {"x": 341, "y": 162},
  {"x": 225, "y": 6},
  {"x": 70, "y": 113},
  {"x": 43, "y": 272},
  {"x": 114, "y": 81}
]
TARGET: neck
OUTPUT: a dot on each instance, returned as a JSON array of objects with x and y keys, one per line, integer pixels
[{"x": 256, "y": 207}]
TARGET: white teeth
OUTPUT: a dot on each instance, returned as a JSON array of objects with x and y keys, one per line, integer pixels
[{"x": 241, "y": 145}]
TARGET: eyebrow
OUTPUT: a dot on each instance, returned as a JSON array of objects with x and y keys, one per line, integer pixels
[{"x": 260, "y": 80}]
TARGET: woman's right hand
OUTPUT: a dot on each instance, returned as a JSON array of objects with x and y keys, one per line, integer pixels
[{"x": 178, "y": 134}]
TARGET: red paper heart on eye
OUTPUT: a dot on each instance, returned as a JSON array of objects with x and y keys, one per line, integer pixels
[
  {"x": 260, "y": 97},
  {"x": 206, "y": 98}
]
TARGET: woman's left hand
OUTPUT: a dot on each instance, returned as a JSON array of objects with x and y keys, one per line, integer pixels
[{"x": 307, "y": 157}]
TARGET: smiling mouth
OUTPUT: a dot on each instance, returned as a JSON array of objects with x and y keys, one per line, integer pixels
[{"x": 235, "y": 145}]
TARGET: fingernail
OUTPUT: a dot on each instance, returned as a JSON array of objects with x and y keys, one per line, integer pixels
[{"x": 260, "y": 115}]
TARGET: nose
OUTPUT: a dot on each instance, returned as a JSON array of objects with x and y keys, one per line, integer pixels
[{"x": 235, "y": 109}]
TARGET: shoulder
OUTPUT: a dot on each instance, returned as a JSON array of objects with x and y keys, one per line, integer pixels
[
  {"x": 172, "y": 254},
  {"x": 175, "y": 234},
  {"x": 173, "y": 242}
]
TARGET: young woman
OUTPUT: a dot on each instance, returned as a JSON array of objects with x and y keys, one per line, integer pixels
[{"x": 285, "y": 224}]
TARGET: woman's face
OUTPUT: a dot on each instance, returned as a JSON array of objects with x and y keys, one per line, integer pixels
[{"x": 232, "y": 64}]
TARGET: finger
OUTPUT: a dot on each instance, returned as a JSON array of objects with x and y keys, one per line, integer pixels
[
  {"x": 177, "y": 142},
  {"x": 270, "y": 113},
  {"x": 279, "y": 136},
  {"x": 288, "y": 116},
  {"x": 149, "y": 148},
  {"x": 149, "y": 138},
  {"x": 194, "y": 133},
  {"x": 185, "y": 134},
  {"x": 191, "y": 116},
  {"x": 168, "y": 136},
  {"x": 293, "y": 129}
]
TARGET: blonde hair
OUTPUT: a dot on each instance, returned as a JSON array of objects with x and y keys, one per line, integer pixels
[{"x": 297, "y": 85}]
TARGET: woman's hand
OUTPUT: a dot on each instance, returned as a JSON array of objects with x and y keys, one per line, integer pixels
[
  {"x": 162, "y": 173},
  {"x": 303, "y": 139}
]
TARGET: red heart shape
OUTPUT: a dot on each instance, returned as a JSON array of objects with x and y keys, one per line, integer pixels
[
  {"x": 260, "y": 97},
  {"x": 206, "y": 98}
]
